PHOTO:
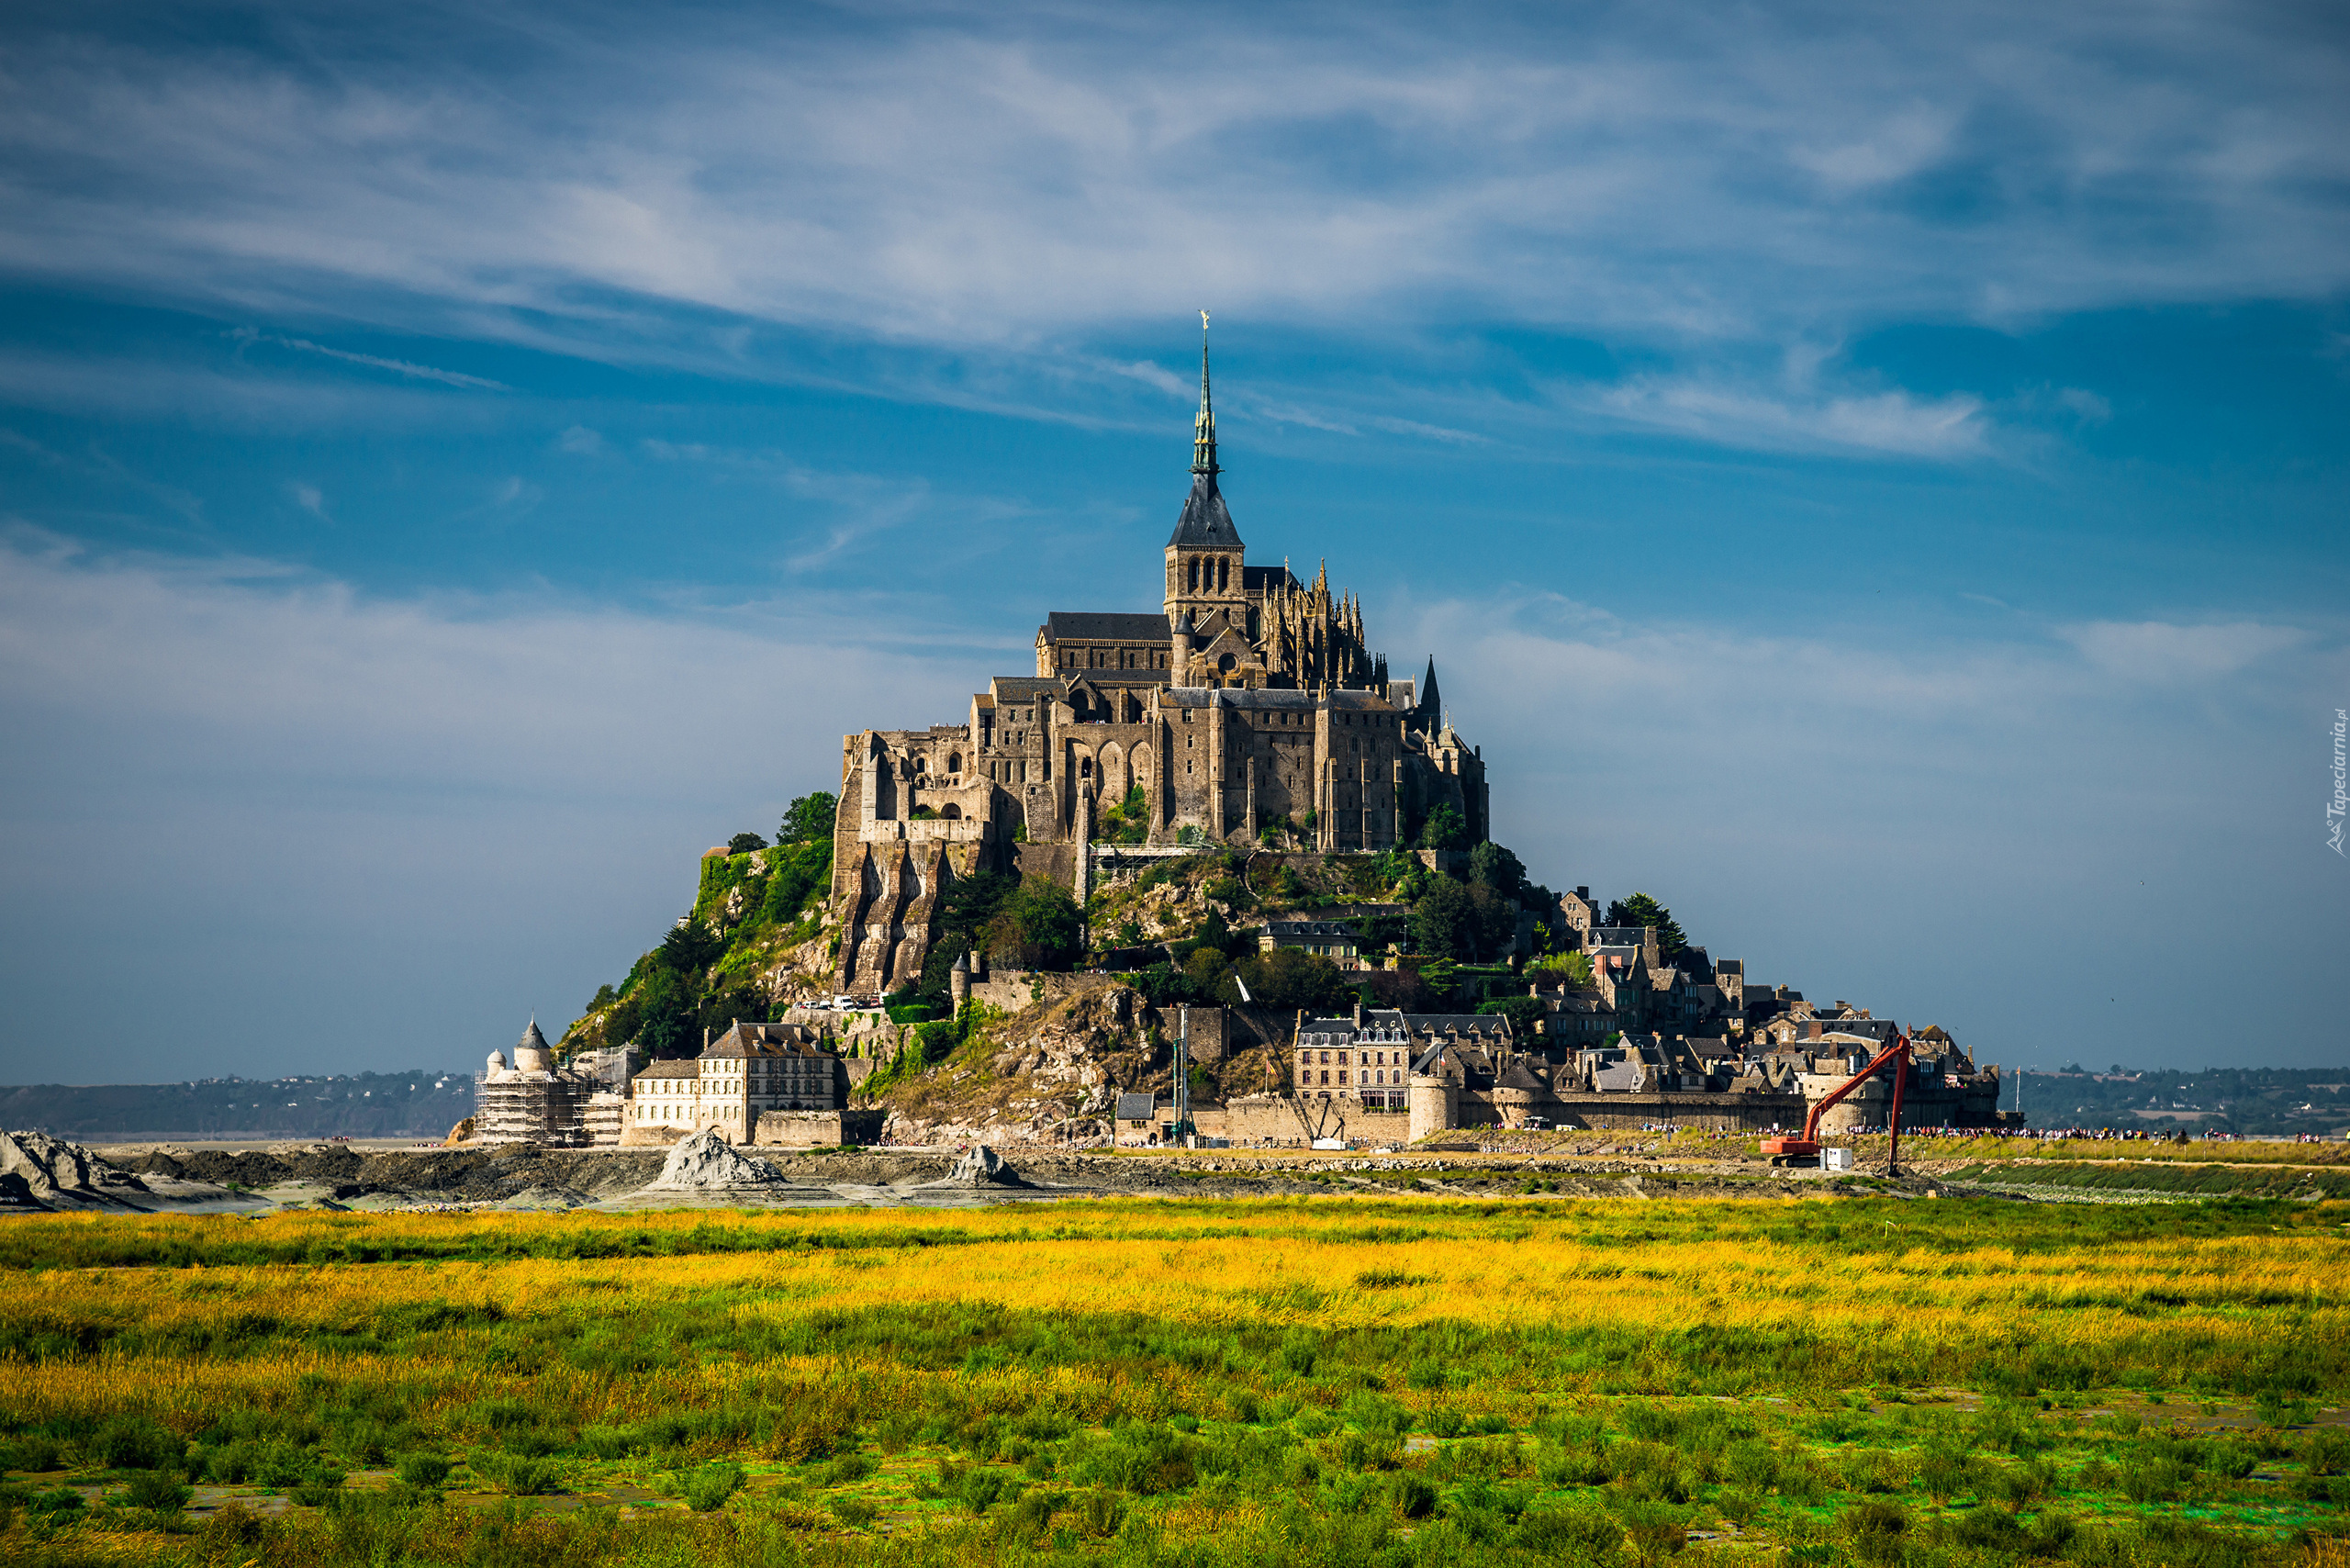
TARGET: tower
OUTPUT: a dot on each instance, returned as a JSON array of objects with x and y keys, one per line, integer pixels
[{"x": 1205, "y": 573}]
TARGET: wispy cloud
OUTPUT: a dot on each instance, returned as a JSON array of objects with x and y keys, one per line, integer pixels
[
  {"x": 1670, "y": 170},
  {"x": 1885, "y": 424},
  {"x": 2163, "y": 653},
  {"x": 310, "y": 497},
  {"x": 373, "y": 361}
]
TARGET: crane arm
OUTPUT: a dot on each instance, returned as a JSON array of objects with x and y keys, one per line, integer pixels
[{"x": 1900, "y": 1047}]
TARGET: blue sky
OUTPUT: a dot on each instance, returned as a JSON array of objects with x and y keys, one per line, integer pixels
[{"x": 1873, "y": 480}]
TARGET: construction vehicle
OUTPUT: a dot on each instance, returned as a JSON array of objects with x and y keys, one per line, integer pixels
[{"x": 1803, "y": 1149}]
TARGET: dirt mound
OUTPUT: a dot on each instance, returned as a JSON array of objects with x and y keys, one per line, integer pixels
[
  {"x": 57, "y": 1172},
  {"x": 983, "y": 1167},
  {"x": 707, "y": 1161}
]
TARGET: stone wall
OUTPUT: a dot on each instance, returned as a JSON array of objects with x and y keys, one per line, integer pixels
[
  {"x": 1251, "y": 1120},
  {"x": 808, "y": 1129}
]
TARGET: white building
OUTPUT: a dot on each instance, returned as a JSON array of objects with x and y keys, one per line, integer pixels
[{"x": 751, "y": 1070}]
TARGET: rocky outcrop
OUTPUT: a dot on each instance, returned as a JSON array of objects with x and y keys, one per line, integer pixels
[
  {"x": 59, "y": 1174},
  {"x": 983, "y": 1167},
  {"x": 707, "y": 1161}
]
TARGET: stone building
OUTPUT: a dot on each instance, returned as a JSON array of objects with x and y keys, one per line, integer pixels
[
  {"x": 533, "y": 1101},
  {"x": 1250, "y": 702},
  {"x": 767, "y": 1084}
]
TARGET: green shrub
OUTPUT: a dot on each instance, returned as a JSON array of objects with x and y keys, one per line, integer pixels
[
  {"x": 1411, "y": 1495},
  {"x": 425, "y": 1470},
  {"x": 29, "y": 1454},
  {"x": 135, "y": 1442},
  {"x": 1105, "y": 1512},
  {"x": 705, "y": 1491},
  {"x": 848, "y": 1469},
  {"x": 1875, "y": 1530},
  {"x": 855, "y": 1512},
  {"x": 158, "y": 1489},
  {"x": 980, "y": 1489},
  {"x": 516, "y": 1476}
]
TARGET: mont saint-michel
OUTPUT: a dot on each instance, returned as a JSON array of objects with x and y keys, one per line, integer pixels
[{"x": 1249, "y": 698}]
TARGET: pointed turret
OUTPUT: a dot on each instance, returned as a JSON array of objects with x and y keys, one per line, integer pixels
[
  {"x": 1205, "y": 557},
  {"x": 1427, "y": 707},
  {"x": 1203, "y": 426}
]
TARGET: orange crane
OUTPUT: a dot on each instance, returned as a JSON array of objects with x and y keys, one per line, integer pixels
[{"x": 1805, "y": 1149}]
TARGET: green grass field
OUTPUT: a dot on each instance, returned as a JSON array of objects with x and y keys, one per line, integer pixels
[{"x": 1342, "y": 1381}]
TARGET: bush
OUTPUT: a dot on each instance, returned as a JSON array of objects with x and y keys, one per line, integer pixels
[
  {"x": 980, "y": 1489},
  {"x": 855, "y": 1512},
  {"x": 1875, "y": 1530},
  {"x": 233, "y": 1525},
  {"x": 515, "y": 1477},
  {"x": 30, "y": 1455},
  {"x": 134, "y": 1442},
  {"x": 705, "y": 1491},
  {"x": 1412, "y": 1496},
  {"x": 425, "y": 1470},
  {"x": 160, "y": 1490},
  {"x": 1104, "y": 1513}
]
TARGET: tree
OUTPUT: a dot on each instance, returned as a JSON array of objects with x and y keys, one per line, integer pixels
[
  {"x": 1291, "y": 978},
  {"x": 1642, "y": 910},
  {"x": 691, "y": 948},
  {"x": 1575, "y": 968},
  {"x": 1403, "y": 990},
  {"x": 1445, "y": 829},
  {"x": 1497, "y": 868},
  {"x": 808, "y": 818},
  {"x": 1523, "y": 1013},
  {"x": 665, "y": 1008},
  {"x": 1441, "y": 921},
  {"x": 1461, "y": 920},
  {"x": 745, "y": 844},
  {"x": 1038, "y": 927},
  {"x": 965, "y": 911}
]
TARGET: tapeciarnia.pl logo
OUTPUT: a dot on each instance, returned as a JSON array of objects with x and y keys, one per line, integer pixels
[{"x": 2336, "y": 807}]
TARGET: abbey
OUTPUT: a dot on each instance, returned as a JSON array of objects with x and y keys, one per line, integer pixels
[{"x": 1249, "y": 703}]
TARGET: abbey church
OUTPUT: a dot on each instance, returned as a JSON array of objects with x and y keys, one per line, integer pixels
[{"x": 1250, "y": 704}]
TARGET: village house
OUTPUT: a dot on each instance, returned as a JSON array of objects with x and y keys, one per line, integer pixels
[{"x": 769, "y": 1083}]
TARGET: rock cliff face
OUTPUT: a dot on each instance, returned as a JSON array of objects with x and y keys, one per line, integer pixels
[{"x": 1051, "y": 1072}]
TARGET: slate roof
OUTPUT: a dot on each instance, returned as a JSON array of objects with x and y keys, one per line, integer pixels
[
  {"x": 1518, "y": 1077},
  {"x": 1024, "y": 688},
  {"x": 1258, "y": 579},
  {"x": 1279, "y": 928},
  {"x": 672, "y": 1067},
  {"x": 1106, "y": 625},
  {"x": 1138, "y": 1107},
  {"x": 1205, "y": 521}
]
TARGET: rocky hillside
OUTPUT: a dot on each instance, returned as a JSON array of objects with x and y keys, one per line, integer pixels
[{"x": 1051, "y": 1071}]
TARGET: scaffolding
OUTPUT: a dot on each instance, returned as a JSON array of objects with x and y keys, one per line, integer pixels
[
  {"x": 549, "y": 1108},
  {"x": 536, "y": 1101}
]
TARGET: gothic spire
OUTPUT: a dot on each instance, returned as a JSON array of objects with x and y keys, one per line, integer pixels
[{"x": 1204, "y": 428}]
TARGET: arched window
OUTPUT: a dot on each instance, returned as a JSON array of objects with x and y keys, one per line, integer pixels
[
  {"x": 951, "y": 811},
  {"x": 1222, "y": 575},
  {"x": 1085, "y": 768},
  {"x": 954, "y": 762},
  {"x": 921, "y": 765},
  {"x": 1191, "y": 575},
  {"x": 1223, "y": 663}
]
